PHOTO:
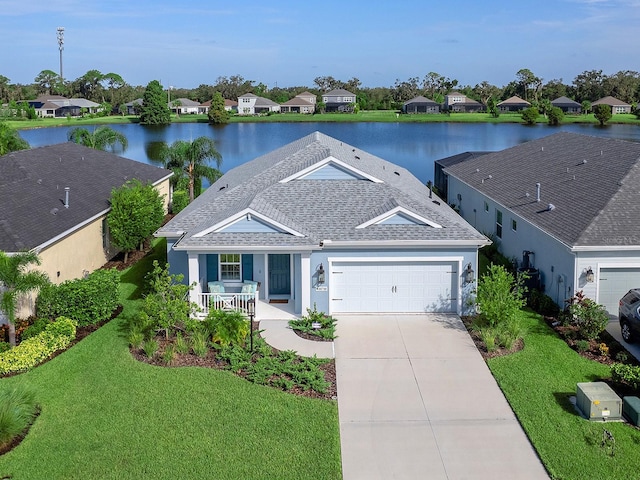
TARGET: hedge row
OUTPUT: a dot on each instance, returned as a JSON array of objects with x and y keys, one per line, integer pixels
[
  {"x": 31, "y": 352},
  {"x": 87, "y": 301}
]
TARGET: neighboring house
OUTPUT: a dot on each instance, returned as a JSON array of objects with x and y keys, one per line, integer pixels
[
  {"x": 59, "y": 106},
  {"x": 250, "y": 104},
  {"x": 567, "y": 105},
  {"x": 617, "y": 106},
  {"x": 571, "y": 201},
  {"x": 440, "y": 178},
  {"x": 133, "y": 105},
  {"x": 302, "y": 103},
  {"x": 513, "y": 104},
  {"x": 321, "y": 223},
  {"x": 66, "y": 228},
  {"x": 229, "y": 106},
  {"x": 184, "y": 106},
  {"x": 420, "y": 104},
  {"x": 338, "y": 100},
  {"x": 459, "y": 102}
]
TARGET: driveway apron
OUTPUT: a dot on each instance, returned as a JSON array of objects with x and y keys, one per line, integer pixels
[{"x": 417, "y": 401}]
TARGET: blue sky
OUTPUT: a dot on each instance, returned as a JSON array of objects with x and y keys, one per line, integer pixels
[{"x": 289, "y": 43}]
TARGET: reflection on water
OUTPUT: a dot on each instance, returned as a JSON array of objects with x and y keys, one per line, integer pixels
[{"x": 414, "y": 146}]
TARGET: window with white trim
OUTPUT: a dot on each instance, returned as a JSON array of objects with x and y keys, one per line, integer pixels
[
  {"x": 514, "y": 225},
  {"x": 486, "y": 207},
  {"x": 498, "y": 223},
  {"x": 230, "y": 267}
]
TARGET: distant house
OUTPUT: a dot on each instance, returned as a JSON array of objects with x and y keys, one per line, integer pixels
[
  {"x": 617, "y": 106},
  {"x": 250, "y": 104},
  {"x": 567, "y": 105},
  {"x": 565, "y": 205},
  {"x": 339, "y": 100},
  {"x": 59, "y": 106},
  {"x": 420, "y": 104},
  {"x": 183, "y": 106},
  {"x": 133, "y": 106},
  {"x": 513, "y": 104},
  {"x": 302, "y": 103},
  {"x": 459, "y": 102},
  {"x": 229, "y": 106},
  {"x": 56, "y": 200}
]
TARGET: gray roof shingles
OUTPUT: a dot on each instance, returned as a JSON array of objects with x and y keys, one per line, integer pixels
[
  {"x": 32, "y": 184},
  {"x": 591, "y": 181},
  {"x": 319, "y": 209}
]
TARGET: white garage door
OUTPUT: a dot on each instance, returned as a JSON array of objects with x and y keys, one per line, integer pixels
[
  {"x": 614, "y": 283},
  {"x": 379, "y": 287}
]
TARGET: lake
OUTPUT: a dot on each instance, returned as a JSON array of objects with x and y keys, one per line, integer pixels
[{"x": 414, "y": 146}]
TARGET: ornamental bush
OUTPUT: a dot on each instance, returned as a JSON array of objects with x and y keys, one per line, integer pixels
[
  {"x": 18, "y": 409},
  {"x": 622, "y": 373},
  {"x": 31, "y": 352},
  {"x": 88, "y": 300},
  {"x": 590, "y": 317}
]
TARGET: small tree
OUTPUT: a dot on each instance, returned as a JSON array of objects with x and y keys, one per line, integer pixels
[
  {"x": 17, "y": 280},
  {"x": 500, "y": 295},
  {"x": 10, "y": 140},
  {"x": 602, "y": 113},
  {"x": 217, "y": 113},
  {"x": 492, "y": 107},
  {"x": 136, "y": 212},
  {"x": 530, "y": 115},
  {"x": 585, "y": 106},
  {"x": 555, "y": 116},
  {"x": 101, "y": 138}
]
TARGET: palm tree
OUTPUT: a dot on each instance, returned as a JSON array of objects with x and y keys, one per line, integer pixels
[
  {"x": 101, "y": 138},
  {"x": 190, "y": 159},
  {"x": 16, "y": 280},
  {"x": 10, "y": 140}
]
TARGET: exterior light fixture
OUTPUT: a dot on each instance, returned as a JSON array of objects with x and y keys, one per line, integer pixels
[
  {"x": 589, "y": 275},
  {"x": 320, "y": 275},
  {"x": 469, "y": 274}
]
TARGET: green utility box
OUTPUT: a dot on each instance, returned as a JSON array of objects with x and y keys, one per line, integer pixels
[
  {"x": 598, "y": 402},
  {"x": 631, "y": 409}
]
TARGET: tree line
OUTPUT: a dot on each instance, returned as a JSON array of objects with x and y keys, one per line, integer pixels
[{"x": 110, "y": 89}]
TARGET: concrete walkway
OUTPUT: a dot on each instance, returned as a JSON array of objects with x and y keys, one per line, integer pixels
[
  {"x": 416, "y": 400},
  {"x": 278, "y": 334}
]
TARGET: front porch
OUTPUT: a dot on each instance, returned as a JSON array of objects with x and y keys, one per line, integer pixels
[{"x": 264, "y": 310}]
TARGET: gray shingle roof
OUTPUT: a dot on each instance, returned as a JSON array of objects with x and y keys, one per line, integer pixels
[
  {"x": 565, "y": 102},
  {"x": 515, "y": 100},
  {"x": 611, "y": 101},
  {"x": 339, "y": 92},
  {"x": 421, "y": 99},
  {"x": 591, "y": 181},
  {"x": 319, "y": 209},
  {"x": 32, "y": 186}
]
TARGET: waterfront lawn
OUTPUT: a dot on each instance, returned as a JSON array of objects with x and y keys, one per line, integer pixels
[
  {"x": 105, "y": 415},
  {"x": 538, "y": 382}
]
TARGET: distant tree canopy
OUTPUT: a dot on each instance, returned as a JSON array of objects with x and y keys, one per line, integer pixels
[
  {"x": 10, "y": 140},
  {"x": 154, "y": 109}
]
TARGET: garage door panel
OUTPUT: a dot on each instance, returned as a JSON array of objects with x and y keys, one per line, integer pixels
[
  {"x": 393, "y": 287},
  {"x": 614, "y": 283}
]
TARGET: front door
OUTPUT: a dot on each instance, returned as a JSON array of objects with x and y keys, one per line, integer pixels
[{"x": 279, "y": 274}]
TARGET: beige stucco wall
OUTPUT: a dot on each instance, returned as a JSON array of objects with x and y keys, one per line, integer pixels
[{"x": 78, "y": 253}]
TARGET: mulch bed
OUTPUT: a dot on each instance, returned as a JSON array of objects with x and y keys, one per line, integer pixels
[
  {"x": 211, "y": 361},
  {"x": 311, "y": 336},
  {"x": 482, "y": 348}
]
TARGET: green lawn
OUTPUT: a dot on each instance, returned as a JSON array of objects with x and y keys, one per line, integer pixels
[
  {"x": 105, "y": 415},
  {"x": 538, "y": 382},
  {"x": 363, "y": 116}
]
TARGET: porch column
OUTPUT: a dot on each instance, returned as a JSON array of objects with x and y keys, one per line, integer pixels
[
  {"x": 305, "y": 272},
  {"x": 194, "y": 273}
]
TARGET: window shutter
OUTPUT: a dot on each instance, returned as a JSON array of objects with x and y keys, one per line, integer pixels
[{"x": 247, "y": 267}]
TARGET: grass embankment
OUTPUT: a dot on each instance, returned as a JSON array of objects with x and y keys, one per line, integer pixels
[
  {"x": 363, "y": 116},
  {"x": 105, "y": 415},
  {"x": 538, "y": 382}
]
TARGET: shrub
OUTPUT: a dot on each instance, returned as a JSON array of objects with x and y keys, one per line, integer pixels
[
  {"x": 88, "y": 300},
  {"x": 226, "y": 327},
  {"x": 181, "y": 344},
  {"x": 622, "y": 357},
  {"x": 500, "y": 295},
  {"x": 18, "y": 409},
  {"x": 31, "y": 352},
  {"x": 150, "y": 347},
  {"x": 622, "y": 373},
  {"x": 5, "y": 346},
  {"x": 199, "y": 344},
  {"x": 136, "y": 339},
  {"x": 590, "y": 317},
  {"x": 169, "y": 354},
  {"x": 326, "y": 323},
  {"x": 35, "y": 328},
  {"x": 180, "y": 200},
  {"x": 583, "y": 345},
  {"x": 604, "y": 349}
]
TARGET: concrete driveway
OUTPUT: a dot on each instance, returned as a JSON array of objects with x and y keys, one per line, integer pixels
[{"x": 417, "y": 401}]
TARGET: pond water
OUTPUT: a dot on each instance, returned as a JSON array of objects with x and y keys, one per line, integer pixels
[{"x": 414, "y": 146}]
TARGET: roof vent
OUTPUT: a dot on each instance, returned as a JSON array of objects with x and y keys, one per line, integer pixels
[
  {"x": 54, "y": 211},
  {"x": 357, "y": 157},
  {"x": 436, "y": 202},
  {"x": 39, "y": 181},
  {"x": 584, "y": 162},
  {"x": 66, "y": 197},
  {"x": 542, "y": 148},
  {"x": 551, "y": 207},
  {"x": 397, "y": 173},
  {"x": 538, "y": 192}
]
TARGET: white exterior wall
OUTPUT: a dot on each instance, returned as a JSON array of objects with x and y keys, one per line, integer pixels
[
  {"x": 552, "y": 258},
  {"x": 246, "y": 105},
  {"x": 599, "y": 260}
]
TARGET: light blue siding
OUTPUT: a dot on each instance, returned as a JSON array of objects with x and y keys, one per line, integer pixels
[
  {"x": 332, "y": 172},
  {"x": 178, "y": 261},
  {"x": 400, "y": 219},
  {"x": 297, "y": 283},
  {"x": 251, "y": 226}
]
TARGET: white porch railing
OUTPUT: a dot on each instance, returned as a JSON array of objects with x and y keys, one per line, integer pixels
[{"x": 227, "y": 301}]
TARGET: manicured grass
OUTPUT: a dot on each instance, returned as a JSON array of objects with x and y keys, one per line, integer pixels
[
  {"x": 105, "y": 415},
  {"x": 362, "y": 116},
  {"x": 538, "y": 382}
]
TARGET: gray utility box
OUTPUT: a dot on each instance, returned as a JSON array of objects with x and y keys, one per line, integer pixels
[
  {"x": 597, "y": 401},
  {"x": 631, "y": 409}
]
